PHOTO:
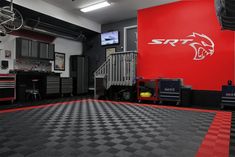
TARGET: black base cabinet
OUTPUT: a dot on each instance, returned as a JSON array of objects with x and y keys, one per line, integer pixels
[
  {"x": 186, "y": 96},
  {"x": 52, "y": 85},
  {"x": 48, "y": 84},
  {"x": 7, "y": 87}
]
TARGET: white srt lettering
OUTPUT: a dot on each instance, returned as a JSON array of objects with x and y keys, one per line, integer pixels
[
  {"x": 202, "y": 44},
  {"x": 172, "y": 42}
]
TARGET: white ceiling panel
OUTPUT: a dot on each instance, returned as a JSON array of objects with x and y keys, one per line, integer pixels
[{"x": 119, "y": 9}]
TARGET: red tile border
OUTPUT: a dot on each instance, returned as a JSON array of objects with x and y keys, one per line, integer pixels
[
  {"x": 39, "y": 106},
  {"x": 217, "y": 140},
  {"x": 215, "y": 143}
]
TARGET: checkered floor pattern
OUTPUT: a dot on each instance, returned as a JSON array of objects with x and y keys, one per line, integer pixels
[
  {"x": 8, "y": 105},
  {"x": 103, "y": 129}
]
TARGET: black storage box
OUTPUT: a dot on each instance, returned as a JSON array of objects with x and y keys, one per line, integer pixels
[{"x": 186, "y": 96}]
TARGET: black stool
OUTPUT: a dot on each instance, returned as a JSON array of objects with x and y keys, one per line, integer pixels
[{"x": 33, "y": 93}]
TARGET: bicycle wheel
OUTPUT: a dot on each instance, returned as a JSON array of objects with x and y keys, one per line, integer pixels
[
  {"x": 16, "y": 22},
  {"x": 8, "y": 30}
]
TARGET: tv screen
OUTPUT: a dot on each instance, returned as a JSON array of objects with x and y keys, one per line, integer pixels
[{"x": 110, "y": 38}]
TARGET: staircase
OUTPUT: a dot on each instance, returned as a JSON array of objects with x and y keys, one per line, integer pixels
[{"x": 119, "y": 69}]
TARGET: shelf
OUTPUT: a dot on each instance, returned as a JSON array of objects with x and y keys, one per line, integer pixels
[{"x": 147, "y": 98}]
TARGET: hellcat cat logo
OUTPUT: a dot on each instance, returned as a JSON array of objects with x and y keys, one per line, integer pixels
[{"x": 202, "y": 44}]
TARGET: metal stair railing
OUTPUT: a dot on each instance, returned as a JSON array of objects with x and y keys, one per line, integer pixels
[{"x": 119, "y": 69}]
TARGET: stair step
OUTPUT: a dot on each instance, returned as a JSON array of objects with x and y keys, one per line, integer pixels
[
  {"x": 91, "y": 88},
  {"x": 100, "y": 76}
]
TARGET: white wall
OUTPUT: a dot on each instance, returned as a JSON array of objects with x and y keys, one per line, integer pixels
[
  {"x": 7, "y": 43},
  {"x": 56, "y": 12},
  {"x": 68, "y": 47}
]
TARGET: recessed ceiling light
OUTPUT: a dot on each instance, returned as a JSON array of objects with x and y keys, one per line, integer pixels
[{"x": 95, "y": 6}]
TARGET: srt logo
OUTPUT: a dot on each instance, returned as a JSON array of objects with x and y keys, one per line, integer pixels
[{"x": 202, "y": 44}]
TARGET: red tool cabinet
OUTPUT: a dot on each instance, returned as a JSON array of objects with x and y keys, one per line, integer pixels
[
  {"x": 7, "y": 87},
  {"x": 149, "y": 85}
]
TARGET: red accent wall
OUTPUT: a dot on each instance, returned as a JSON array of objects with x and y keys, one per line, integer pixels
[{"x": 177, "y": 21}]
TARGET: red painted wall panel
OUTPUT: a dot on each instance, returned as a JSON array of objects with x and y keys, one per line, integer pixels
[{"x": 176, "y": 58}]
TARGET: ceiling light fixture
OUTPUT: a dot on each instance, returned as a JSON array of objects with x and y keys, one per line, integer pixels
[{"x": 95, "y": 6}]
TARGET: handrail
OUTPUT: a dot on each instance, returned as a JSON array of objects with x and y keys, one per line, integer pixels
[
  {"x": 119, "y": 69},
  {"x": 126, "y": 52},
  {"x": 109, "y": 57},
  {"x": 100, "y": 67}
]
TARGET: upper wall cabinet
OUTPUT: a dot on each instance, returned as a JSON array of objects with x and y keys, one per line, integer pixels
[
  {"x": 26, "y": 48},
  {"x": 46, "y": 51}
]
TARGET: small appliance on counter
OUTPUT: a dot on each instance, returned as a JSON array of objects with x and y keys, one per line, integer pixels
[{"x": 4, "y": 64}]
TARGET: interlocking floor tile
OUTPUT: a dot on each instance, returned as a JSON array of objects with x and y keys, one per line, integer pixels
[{"x": 102, "y": 128}]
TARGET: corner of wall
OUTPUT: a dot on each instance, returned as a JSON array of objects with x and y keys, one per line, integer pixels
[{"x": 69, "y": 47}]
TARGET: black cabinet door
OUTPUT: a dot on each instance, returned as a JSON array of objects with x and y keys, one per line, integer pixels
[
  {"x": 24, "y": 48},
  {"x": 46, "y": 51},
  {"x": 51, "y": 51},
  {"x": 43, "y": 50},
  {"x": 34, "y": 49},
  {"x": 79, "y": 73},
  {"x": 53, "y": 85}
]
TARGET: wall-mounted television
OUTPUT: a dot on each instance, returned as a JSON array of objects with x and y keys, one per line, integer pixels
[{"x": 110, "y": 38}]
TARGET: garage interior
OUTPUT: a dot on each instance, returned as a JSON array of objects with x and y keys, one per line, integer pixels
[{"x": 109, "y": 78}]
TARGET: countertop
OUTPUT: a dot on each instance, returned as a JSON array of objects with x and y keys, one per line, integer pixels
[{"x": 23, "y": 72}]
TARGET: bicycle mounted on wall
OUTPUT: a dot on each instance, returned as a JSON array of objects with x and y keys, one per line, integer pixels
[{"x": 10, "y": 19}]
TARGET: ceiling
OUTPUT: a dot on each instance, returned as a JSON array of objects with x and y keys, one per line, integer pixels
[
  {"x": 44, "y": 24},
  {"x": 119, "y": 9}
]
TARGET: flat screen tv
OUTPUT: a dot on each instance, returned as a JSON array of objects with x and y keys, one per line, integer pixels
[{"x": 110, "y": 38}]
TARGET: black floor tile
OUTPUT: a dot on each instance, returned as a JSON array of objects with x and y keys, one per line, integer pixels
[{"x": 91, "y": 128}]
